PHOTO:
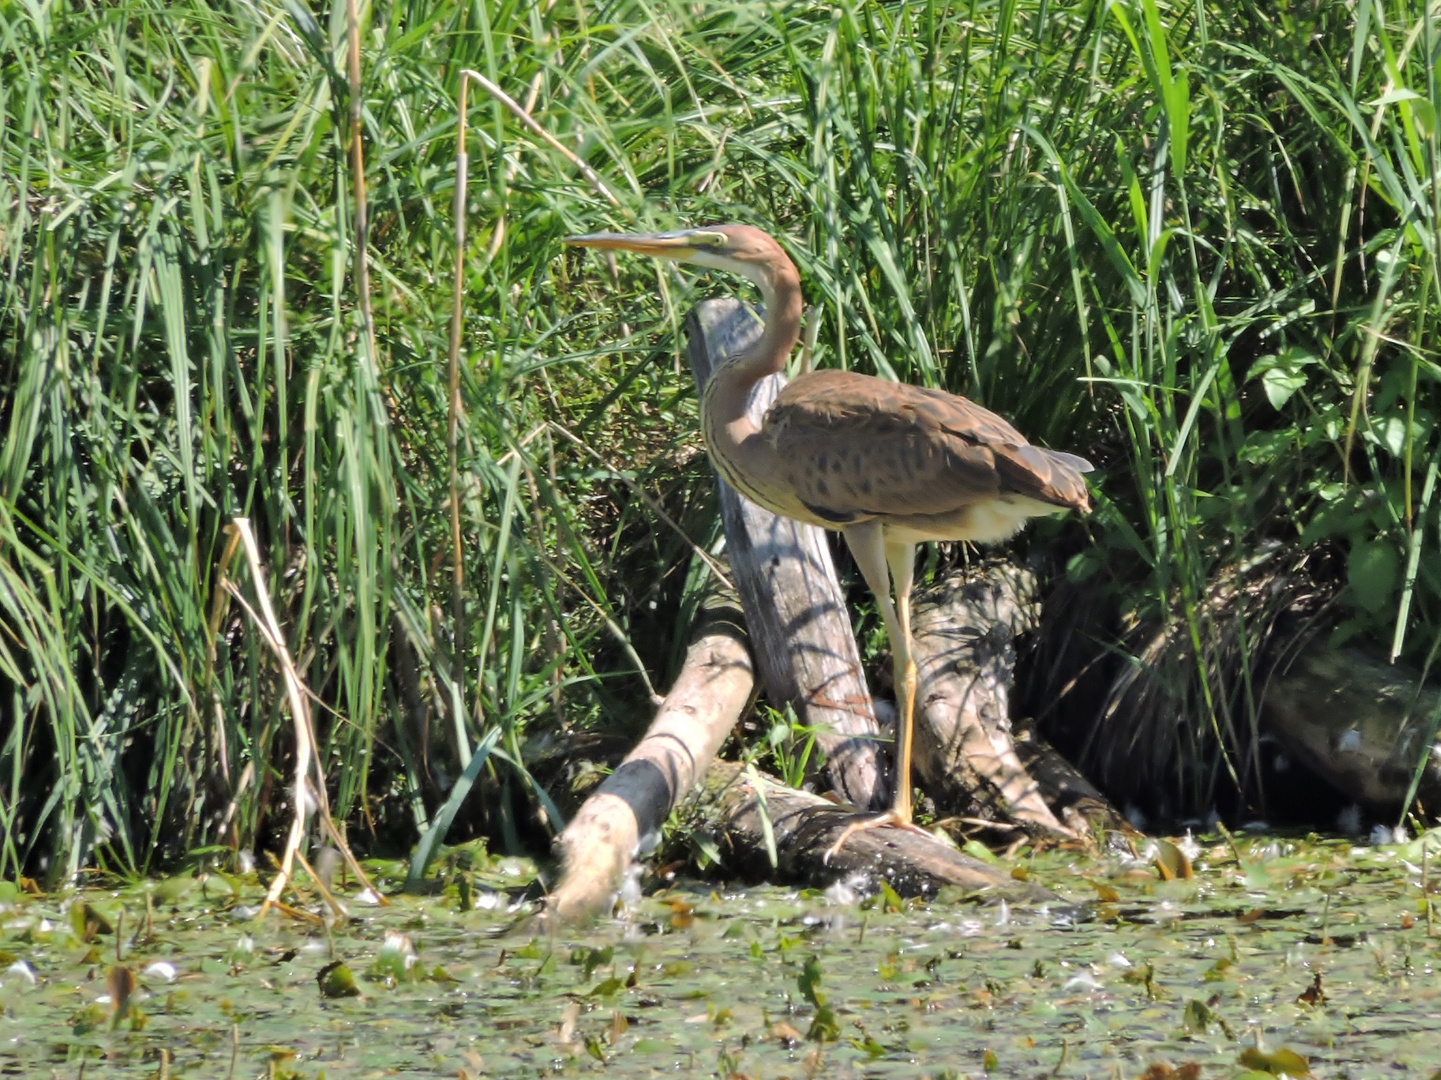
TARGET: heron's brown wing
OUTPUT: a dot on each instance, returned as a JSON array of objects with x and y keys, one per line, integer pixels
[{"x": 853, "y": 446}]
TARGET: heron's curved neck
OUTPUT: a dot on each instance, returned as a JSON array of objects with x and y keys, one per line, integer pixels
[
  {"x": 738, "y": 449},
  {"x": 731, "y": 384}
]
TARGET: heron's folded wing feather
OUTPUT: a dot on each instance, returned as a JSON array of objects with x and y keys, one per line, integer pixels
[{"x": 852, "y": 446}]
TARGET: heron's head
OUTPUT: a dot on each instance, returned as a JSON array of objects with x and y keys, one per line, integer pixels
[{"x": 741, "y": 249}]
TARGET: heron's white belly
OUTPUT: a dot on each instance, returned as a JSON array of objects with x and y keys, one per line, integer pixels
[{"x": 984, "y": 523}]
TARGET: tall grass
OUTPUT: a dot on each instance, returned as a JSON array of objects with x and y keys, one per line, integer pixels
[{"x": 1199, "y": 243}]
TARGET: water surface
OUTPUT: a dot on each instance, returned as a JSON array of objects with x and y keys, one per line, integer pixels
[{"x": 1278, "y": 950}]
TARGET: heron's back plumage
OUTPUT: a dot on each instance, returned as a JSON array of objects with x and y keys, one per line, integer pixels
[{"x": 853, "y": 447}]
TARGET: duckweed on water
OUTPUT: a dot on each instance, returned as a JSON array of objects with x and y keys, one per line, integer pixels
[{"x": 1276, "y": 957}]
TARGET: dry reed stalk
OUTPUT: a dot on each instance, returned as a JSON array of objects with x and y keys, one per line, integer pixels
[{"x": 306, "y": 795}]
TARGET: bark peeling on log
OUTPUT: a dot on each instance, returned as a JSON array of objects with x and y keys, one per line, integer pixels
[{"x": 799, "y": 628}]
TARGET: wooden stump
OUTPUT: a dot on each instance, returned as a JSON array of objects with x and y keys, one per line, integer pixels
[
  {"x": 800, "y": 631},
  {"x": 964, "y": 628}
]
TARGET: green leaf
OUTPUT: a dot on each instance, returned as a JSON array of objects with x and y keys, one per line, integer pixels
[
  {"x": 809, "y": 981},
  {"x": 336, "y": 981},
  {"x": 824, "y": 1028},
  {"x": 1197, "y": 1017},
  {"x": 1372, "y": 570},
  {"x": 590, "y": 959},
  {"x": 1390, "y": 433},
  {"x": 890, "y": 899},
  {"x": 1282, "y": 374},
  {"x": 707, "y": 850},
  {"x": 977, "y": 850},
  {"x": 1275, "y": 1062},
  {"x": 1399, "y": 93},
  {"x": 768, "y": 833},
  {"x": 869, "y": 1047},
  {"x": 425, "y": 849},
  {"x": 607, "y": 987}
]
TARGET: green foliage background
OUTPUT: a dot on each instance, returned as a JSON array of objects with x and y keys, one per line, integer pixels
[{"x": 1199, "y": 243}]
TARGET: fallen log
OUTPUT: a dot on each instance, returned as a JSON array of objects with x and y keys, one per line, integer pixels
[
  {"x": 714, "y": 686},
  {"x": 803, "y": 826},
  {"x": 805, "y": 650},
  {"x": 1357, "y": 722}
]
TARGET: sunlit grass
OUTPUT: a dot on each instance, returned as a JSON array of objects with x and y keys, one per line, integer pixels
[{"x": 1198, "y": 244}]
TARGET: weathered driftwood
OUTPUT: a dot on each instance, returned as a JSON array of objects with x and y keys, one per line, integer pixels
[
  {"x": 965, "y": 628},
  {"x": 1357, "y": 722},
  {"x": 714, "y": 686},
  {"x": 804, "y": 826},
  {"x": 805, "y": 651}
]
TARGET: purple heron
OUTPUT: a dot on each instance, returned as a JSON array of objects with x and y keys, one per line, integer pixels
[{"x": 886, "y": 464}]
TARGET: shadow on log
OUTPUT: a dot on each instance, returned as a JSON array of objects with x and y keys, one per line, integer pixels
[{"x": 804, "y": 826}]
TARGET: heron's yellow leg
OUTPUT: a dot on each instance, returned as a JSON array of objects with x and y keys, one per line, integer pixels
[
  {"x": 881, "y": 562},
  {"x": 902, "y": 560}
]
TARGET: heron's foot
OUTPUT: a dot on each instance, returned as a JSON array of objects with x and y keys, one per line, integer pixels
[{"x": 891, "y": 818}]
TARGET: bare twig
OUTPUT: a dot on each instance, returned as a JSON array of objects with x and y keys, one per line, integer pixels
[
  {"x": 320, "y": 884},
  {"x": 534, "y": 126},
  {"x": 529, "y": 438},
  {"x": 305, "y": 796},
  {"x": 218, "y": 607}
]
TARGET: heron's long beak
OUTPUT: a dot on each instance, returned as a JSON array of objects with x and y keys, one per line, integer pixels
[{"x": 681, "y": 244}]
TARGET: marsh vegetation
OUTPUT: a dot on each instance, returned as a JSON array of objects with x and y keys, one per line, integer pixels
[{"x": 1197, "y": 243}]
